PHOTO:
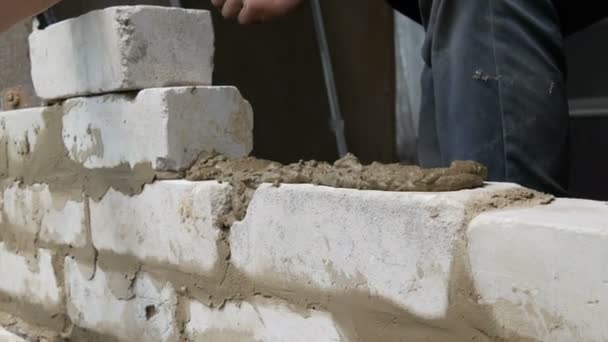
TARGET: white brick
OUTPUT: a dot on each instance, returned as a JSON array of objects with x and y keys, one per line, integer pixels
[
  {"x": 171, "y": 222},
  {"x": 35, "y": 284},
  {"x": 398, "y": 246},
  {"x": 36, "y": 210},
  {"x": 148, "y": 316},
  {"x": 168, "y": 127},
  {"x": 106, "y": 131},
  {"x": 543, "y": 270},
  {"x": 259, "y": 320},
  {"x": 7, "y": 336},
  {"x": 122, "y": 48}
]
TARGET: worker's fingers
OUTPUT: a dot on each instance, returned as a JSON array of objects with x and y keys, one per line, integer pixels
[
  {"x": 218, "y": 3},
  {"x": 232, "y": 8},
  {"x": 251, "y": 14},
  {"x": 264, "y": 10},
  {"x": 245, "y": 16}
]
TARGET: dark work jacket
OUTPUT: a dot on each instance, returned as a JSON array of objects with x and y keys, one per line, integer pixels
[{"x": 574, "y": 14}]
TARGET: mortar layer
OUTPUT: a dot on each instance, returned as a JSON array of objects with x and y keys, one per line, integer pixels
[{"x": 246, "y": 174}]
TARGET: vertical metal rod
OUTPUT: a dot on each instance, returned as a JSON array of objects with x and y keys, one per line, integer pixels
[{"x": 337, "y": 122}]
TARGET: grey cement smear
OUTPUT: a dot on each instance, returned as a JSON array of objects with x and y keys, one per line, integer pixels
[{"x": 246, "y": 174}]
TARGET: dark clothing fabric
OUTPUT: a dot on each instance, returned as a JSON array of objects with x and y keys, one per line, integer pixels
[
  {"x": 577, "y": 15},
  {"x": 574, "y": 15},
  {"x": 493, "y": 88}
]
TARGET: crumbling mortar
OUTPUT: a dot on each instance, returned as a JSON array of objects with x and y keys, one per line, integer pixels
[{"x": 245, "y": 175}]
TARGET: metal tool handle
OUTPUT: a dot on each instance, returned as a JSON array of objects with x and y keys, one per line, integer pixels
[{"x": 337, "y": 122}]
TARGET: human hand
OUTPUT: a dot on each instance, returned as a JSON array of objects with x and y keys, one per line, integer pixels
[
  {"x": 12, "y": 12},
  {"x": 251, "y": 11}
]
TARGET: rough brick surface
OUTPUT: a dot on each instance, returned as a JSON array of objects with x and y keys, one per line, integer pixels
[
  {"x": 52, "y": 217},
  {"x": 149, "y": 315},
  {"x": 168, "y": 127},
  {"x": 7, "y": 336},
  {"x": 543, "y": 270},
  {"x": 398, "y": 246},
  {"x": 32, "y": 280},
  {"x": 19, "y": 131},
  {"x": 171, "y": 223},
  {"x": 259, "y": 320},
  {"x": 122, "y": 48}
]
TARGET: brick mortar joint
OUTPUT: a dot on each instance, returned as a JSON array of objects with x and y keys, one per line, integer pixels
[
  {"x": 248, "y": 288},
  {"x": 463, "y": 295}
]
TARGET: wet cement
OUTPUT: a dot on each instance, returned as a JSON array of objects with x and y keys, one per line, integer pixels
[
  {"x": 48, "y": 162},
  {"x": 246, "y": 174}
]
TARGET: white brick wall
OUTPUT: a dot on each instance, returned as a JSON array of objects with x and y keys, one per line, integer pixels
[
  {"x": 259, "y": 320},
  {"x": 395, "y": 245},
  {"x": 169, "y": 127},
  {"x": 171, "y": 223},
  {"x": 122, "y": 48},
  {"x": 539, "y": 273},
  {"x": 34, "y": 283},
  {"x": 543, "y": 270},
  {"x": 148, "y": 316},
  {"x": 34, "y": 209}
]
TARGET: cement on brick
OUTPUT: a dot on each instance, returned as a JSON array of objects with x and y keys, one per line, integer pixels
[
  {"x": 122, "y": 48},
  {"x": 172, "y": 223},
  {"x": 259, "y": 320},
  {"x": 148, "y": 316},
  {"x": 19, "y": 130},
  {"x": 35, "y": 284},
  {"x": 543, "y": 269},
  {"x": 168, "y": 127},
  {"x": 104, "y": 145},
  {"x": 246, "y": 174},
  {"x": 398, "y": 246},
  {"x": 36, "y": 154},
  {"x": 35, "y": 212},
  {"x": 26, "y": 329},
  {"x": 396, "y": 259}
]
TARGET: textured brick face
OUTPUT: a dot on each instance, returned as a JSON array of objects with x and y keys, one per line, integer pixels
[{"x": 122, "y": 48}]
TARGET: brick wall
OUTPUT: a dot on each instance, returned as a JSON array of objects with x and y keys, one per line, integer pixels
[{"x": 101, "y": 238}]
